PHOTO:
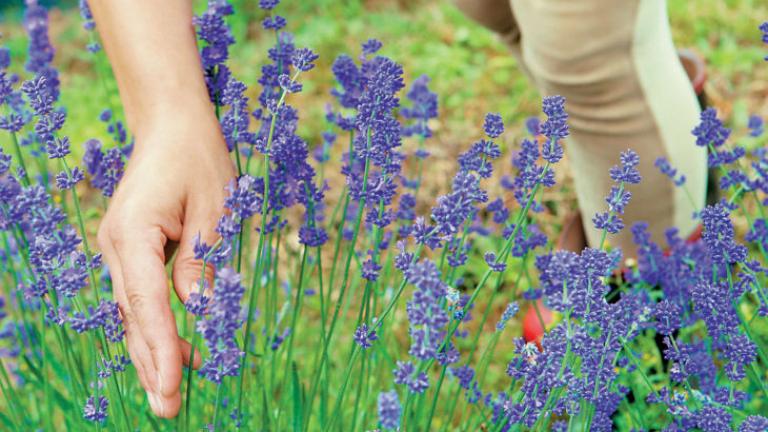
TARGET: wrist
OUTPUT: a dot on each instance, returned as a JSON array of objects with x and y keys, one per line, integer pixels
[{"x": 184, "y": 115}]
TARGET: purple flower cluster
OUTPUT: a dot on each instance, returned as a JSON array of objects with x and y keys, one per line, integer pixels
[
  {"x": 406, "y": 374},
  {"x": 389, "y": 410},
  {"x": 666, "y": 168},
  {"x": 222, "y": 320},
  {"x": 41, "y": 52},
  {"x": 217, "y": 36},
  {"x": 95, "y": 410},
  {"x": 423, "y": 108},
  {"x": 428, "y": 318},
  {"x": 105, "y": 316},
  {"x": 712, "y": 134},
  {"x": 365, "y": 337},
  {"x": 618, "y": 197},
  {"x": 105, "y": 168}
]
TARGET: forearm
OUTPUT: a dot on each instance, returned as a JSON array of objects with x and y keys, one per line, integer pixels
[{"x": 151, "y": 46}]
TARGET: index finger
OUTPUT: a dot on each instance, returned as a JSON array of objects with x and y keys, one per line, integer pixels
[{"x": 142, "y": 262}]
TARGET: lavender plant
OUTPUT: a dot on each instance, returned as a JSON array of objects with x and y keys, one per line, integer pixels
[{"x": 368, "y": 306}]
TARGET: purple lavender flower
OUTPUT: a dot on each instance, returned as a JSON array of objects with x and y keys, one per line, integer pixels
[
  {"x": 666, "y": 168},
  {"x": 279, "y": 338},
  {"x": 41, "y": 52},
  {"x": 370, "y": 270},
  {"x": 197, "y": 304},
  {"x": 465, "y": 375},
  {"x": 66, "y": 181},
  {"x": 312, "y": 236},
  {"x": 454, "y": 209},
  {"x": 423, "y": 108},
  {"x": 5, "y": 58},
  {"x": 627, "y": 172},
  {"x": 426, "y": 314},
  {"x": 268, "y": 4},
  {"x": 5, "y": 86},
  {"x": 764, "y": 29},
  {"x": 389, "y": 410},
  {"x": 236, "y": 120},
  {"x": 713, "y": 419},
  {"x": 618, "y": 197},
  {"x": 86, "y": 15},
  {"x": 710, "y": 130},
  {"x": 509, "y": 312},
  {"x": 712, "y": 134},
  {"x": 104, "y": 316},
  {"x": 105, "y": 168},
  {"x": 5, "y": 162},
  {"x": 274, "y": 23},
  {"x": 490, "y": 259},
  {"x": 713, "y": 304},
  {"x": 740, "y": 351},
  {"x": 371, "y": 47},
  {"x": 494, "y": 125},
  {"x": 530, "y": 174},
  {"x": 243, "y": 200},
  {"x": 533, "y": 126},
  {"x": 222, "y": 321},
  {"x": 57, "y": 148},
  {"x": 304, "y": 59},
  {"x": 756, "y": 126},
  {"x": 96, "y": 411},
  {"x": 668, "y": 316},
  {"x": 365, "y": 337},
  {"x": 478, "y": 158},
  {"x": 718, "y": 235},
  {"x": 217, "y": 36},
  {"x": 406, "y": 374},
  {"x": 755, "y": 423},
  {"x": 758, "y": 233},
  {"x": 554, "y": 128}
]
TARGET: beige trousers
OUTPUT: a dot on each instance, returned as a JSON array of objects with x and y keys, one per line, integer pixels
[{"x": 616, "y": 65}]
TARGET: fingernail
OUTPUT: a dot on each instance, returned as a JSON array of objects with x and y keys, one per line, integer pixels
[{"x": 156, "y": 403}]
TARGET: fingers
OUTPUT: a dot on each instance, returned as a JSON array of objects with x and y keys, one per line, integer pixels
[
  {"x": 143, "y": 295},
  {"x": 137, "y": 348}
]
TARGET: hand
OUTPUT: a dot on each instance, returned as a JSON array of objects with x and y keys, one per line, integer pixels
[{"x": 172, "y": 190}]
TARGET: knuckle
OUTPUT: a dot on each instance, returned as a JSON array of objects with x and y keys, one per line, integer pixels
[
  {"x": 136, "y": 299},
  {"x": 127, "y": 315}
]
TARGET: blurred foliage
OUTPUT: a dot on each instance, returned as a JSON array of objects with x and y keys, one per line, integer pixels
[{"x": 470, "y": 69}]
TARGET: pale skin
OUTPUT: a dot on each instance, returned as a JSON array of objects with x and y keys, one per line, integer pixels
[{"x": 174, "y": 184}]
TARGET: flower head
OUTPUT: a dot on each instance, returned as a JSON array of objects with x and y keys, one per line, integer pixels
[
  {"x": 509, "y": 312},
  {"x": 221, "y": 322},
  {"x": 389, "y": 410},
  {"x": 756, "y": 126},
  {"x": 494, "y": 125},
  {"x": 365, "y": 337},
  {"x": 710, "y": 130},
  {"x": 96, "y": 410}
]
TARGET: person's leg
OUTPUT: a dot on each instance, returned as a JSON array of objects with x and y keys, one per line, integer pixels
[{"x": 615, "y": 63}]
